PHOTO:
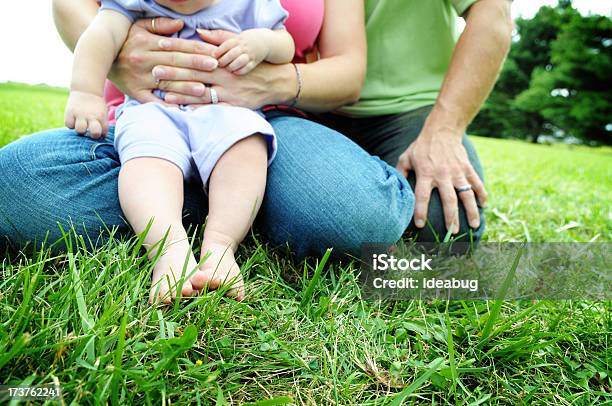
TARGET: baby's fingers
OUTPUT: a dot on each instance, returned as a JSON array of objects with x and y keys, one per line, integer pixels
[
  {"x": 235, "y": 285},
  {"x": 230, "y": 56},
  {"x": 239, "y": 63},
  {"x": 80, "y": 125},
  {"x": 160, "y": 293},
  {"x": 104, "y": 122},
  {"x": 225, "y": 47},
  {"x": 249, "y": 67},
  {"x": 69, "y": 120},
  {"x": 237, "y": 291},
  {"x": 160, "y": 297},
  {"x": 95, "y": 128}
]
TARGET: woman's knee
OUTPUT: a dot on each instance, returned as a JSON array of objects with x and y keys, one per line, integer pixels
[
  {"x": 325, "y": 192},
  {"x": 343, "y": 222},
  {"x": 55, "y": 178},
  {"x": 385, "y": 204}
]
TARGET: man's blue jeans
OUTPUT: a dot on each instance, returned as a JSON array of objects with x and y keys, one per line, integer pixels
[
  {"x": 323, "y": 190},
  {"x": 389, "y": 136}
]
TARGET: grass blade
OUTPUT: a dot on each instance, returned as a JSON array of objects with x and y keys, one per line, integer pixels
[
  {"x": 501, "y": 296},
  {"x": 119, "y": 359},
  {"x": 431, "y": 368},
  {"x": 451, "y": 352},
  {"x": 86, "y": 322},
  {"x": 315, "y": 279},
  {"x": 283, "y": 400},
  {"x": 16, "y": 349}
]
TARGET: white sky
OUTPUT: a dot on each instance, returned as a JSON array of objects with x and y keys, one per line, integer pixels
[{"x": 34, "y": 53}]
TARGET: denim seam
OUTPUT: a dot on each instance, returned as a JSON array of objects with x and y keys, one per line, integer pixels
[{"x": 94, "y": 148}]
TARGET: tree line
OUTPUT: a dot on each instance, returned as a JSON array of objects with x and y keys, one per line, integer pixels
[{"x": 556, "y": 82}]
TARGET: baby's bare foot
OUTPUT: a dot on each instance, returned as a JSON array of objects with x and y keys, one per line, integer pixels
[
  {"x": 167, "y": 275},
  {"x": 219, "y": 268}
]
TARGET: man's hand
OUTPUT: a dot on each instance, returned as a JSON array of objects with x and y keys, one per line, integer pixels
[
  {"x": 242, "y": 53},
  {"x": 147, "y": 47},
  {"x": 86, "y": 112},
  {"x": 440, "y": 161},
  {"x": 438, "y": 157}
]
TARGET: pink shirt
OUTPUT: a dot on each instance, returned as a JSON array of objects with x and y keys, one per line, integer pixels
[{"x": 304, "y": 24}]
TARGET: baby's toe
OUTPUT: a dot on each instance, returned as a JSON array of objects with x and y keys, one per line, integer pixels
[
  {"x": 237, "y": 292},
  {"x": 237, "y": 287},
  {"x": 198, "y": 280},
  {"x": 159, "y": 294},
  {"x": 207, "y": 277},
  {"x": 187, "y": 289}
]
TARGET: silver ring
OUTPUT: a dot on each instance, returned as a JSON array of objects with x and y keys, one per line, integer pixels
[
  {"x": 214, "y": 97},
  {"x": 464, "y": 188}
]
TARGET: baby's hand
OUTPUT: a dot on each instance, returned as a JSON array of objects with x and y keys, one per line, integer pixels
[
  {"x": 86, "y": 112},
  {"x": 242, "y": 53}
]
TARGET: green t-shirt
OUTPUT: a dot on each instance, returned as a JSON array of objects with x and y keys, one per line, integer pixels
[{"x": 410, "y": 44}]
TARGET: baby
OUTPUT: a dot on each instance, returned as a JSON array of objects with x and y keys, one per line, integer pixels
[{"x": 227, "y": 148}]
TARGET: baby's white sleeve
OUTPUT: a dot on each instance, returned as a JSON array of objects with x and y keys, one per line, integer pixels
[
  {"x": 270, "y": 14},
  {"x": 129, "y": 8}
]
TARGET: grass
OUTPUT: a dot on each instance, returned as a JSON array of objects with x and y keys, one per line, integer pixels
[
  {"x": 27, "y": 109},
  {"x": 547, "y": 193},
  {"x": 304, "y": 336}
]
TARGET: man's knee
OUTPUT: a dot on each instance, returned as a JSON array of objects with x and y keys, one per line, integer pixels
[{"x": 435, "y": 229}]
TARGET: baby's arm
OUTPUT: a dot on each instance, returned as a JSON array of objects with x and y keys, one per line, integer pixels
[
  {"x": 282, "y": 48},
  {"x": 244, "y": 52},
  {"x": 95, "y": 52}
]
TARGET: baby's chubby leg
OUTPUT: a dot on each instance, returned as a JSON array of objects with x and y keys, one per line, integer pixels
[
  {"x": 151, "y": 191},
  {"x": 155, "y": 158},
  {"x": 236, "y": 189}
]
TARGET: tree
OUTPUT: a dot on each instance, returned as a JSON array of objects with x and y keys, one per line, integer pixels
[
  {"x": 531, "y": 50},
  {"x": 573, "y": 94}
]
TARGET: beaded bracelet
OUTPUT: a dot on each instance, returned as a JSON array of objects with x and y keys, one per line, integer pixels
[{"x": 299, "y": 85}]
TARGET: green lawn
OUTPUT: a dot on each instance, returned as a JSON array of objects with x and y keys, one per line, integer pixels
[{"x": 82, "y": 318}]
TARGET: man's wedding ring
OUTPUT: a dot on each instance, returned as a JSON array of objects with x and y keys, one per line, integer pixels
[
  {"x": 214, "y": 97},
  {"x": 464, "y": 188},
  {"x": 153, "y": 25}
]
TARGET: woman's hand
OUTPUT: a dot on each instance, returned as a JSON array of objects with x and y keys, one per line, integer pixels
[
  {"x": 251, "y": 91},
  {"x": 147, "y": 47},
  {"x": 440, "y": 161},
  {"x": 331, "y": 81}
]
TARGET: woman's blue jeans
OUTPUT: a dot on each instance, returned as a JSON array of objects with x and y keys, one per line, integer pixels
[{"x": 323, "y": 190}]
